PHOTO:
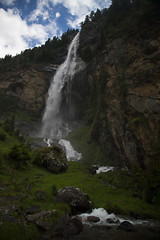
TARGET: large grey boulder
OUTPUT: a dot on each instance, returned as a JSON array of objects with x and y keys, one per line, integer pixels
[
  {"x": 75, "y": 198},
  {"x": 52, "y": 158}
]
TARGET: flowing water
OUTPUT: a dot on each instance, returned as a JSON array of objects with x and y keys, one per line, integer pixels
[{"x": 54, "y": 124}]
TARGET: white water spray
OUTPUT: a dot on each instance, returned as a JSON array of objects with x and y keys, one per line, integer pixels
[
  {"x": 53, "y": 126},
  {"x": 71, "y": 154}
]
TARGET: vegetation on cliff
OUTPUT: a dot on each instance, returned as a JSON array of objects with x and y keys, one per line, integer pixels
[{"x": 53, "y": 51}]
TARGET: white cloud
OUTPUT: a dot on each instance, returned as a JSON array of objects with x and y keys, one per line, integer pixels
[
  {"x": 16, "y": 35},
  {"x": 7, "y": 2},
  {"x": 81, "y": 7},
  {"x": 76, "y": 22},
  {"x": 40, "y": 11},
  {"x": 58, "y": 14},
  {"x": 77, "y": 8}
]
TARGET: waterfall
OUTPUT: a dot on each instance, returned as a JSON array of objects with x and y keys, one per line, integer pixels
[{"x": 53, "y": 125}]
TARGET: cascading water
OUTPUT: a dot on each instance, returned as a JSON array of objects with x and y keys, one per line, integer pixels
[{"x": 53, "y": 124}]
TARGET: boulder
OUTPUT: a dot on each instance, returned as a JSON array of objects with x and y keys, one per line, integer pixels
[
  {"x": 75, "y": 198},
  {"x": 67, "y": 226},
  {"x": 126, "y": 226},
  {"x": 52, "y": 158},
  {"x": 43, "y": 215},
  {"x": 93, "y": 219}
]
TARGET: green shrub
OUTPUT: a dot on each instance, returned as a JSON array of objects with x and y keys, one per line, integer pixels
[
  {"x": 8, "y": 125},
  {"x": 19, "y": 155},
  {"x": 2, "y": 135}
]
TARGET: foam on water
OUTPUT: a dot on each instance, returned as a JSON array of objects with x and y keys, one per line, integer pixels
[
  {"x": 71, "y": 154},
  {"x": 104, "y": 169},
  {"x": 102, "y": 214}
]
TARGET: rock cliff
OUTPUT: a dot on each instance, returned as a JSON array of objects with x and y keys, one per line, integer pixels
[
  {"x": 124, "y": 75},
  {"x": 29, "y": 85}
]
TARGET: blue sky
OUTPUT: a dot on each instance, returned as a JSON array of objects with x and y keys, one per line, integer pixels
[{"x": 28, "y": 23}]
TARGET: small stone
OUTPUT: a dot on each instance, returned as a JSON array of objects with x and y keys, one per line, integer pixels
[
  {"x": 126, "y": 226},
  {"x": 93, "y": 219},
  {"x": 40, "y": 195},
  {"x": 112, "y": 221}
]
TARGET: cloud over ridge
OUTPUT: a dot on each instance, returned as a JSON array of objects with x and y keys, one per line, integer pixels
[{"x": 19, "y": 31}]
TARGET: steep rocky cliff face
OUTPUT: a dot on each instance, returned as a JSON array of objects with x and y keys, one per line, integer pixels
[
  {"x": 133, "y": 97},
  {"x": 29, "y": 86},
  {"x": 124, "y": 109}
]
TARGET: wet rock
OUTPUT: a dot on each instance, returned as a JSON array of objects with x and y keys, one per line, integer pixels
[
  {"x": 43, "y": 215},
  {"x": 126, "y": 226},
  {"x": 53, "y": 159},
  {"x": 75, "y": 198},
  {"x": 55, "y": 165},
  {"x": 93, "y": 219},
  {"x": 67, "y": 226},
  {"x": 112, "y": 221}
]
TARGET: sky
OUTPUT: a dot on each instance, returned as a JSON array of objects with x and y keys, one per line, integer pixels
[{"x": 29, "y": 23}]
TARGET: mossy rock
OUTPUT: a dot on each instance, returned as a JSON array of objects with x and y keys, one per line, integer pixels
[{"x": 52, "y": 158}]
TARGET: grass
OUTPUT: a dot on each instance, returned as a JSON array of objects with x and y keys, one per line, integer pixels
[
  {"x": 11, "y": 231},
  {"x": 9, "y": 142},
  {"x": 105, "y": 190},
  {"x": 118, "y": 200},
  {"x": 113, "y": 191},
  {"x": 91, "y": 152}
]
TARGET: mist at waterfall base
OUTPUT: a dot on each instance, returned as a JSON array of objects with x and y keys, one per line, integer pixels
[{"x": 59, "y": 117}]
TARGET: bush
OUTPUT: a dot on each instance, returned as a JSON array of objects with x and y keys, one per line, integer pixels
[
  {"x": 19, "y": 155},
  {"x": 8, "y": 125},
  {"x": 2, "y": 135}
]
